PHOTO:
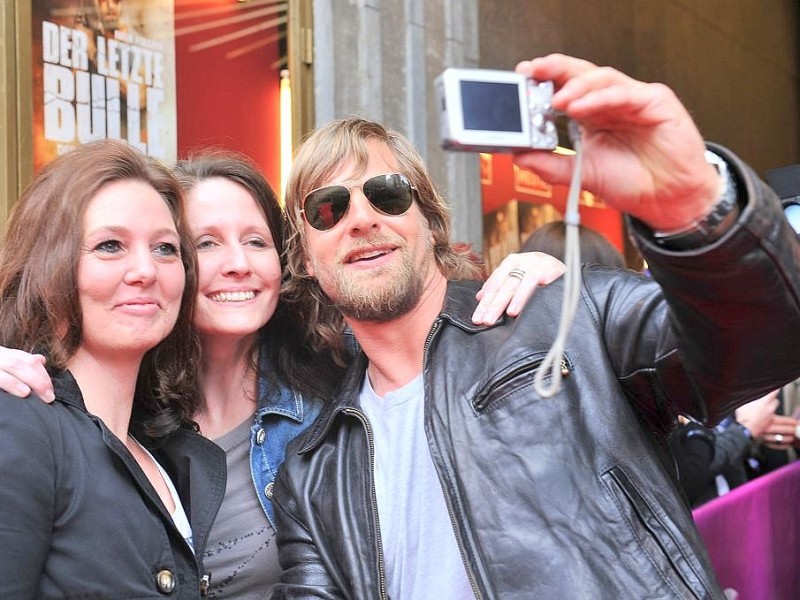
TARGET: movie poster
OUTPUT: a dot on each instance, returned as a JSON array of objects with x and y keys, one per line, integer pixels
[{"x": 103, "y": 69}]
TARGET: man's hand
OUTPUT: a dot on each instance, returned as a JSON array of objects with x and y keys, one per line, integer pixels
[
  {"x": 22, "y": 373},
  {"x": 642, "y": 153},
  {"x": 513, "y": 283}
]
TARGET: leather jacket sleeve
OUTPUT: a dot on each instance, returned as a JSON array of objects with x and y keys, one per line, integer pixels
[{"x": 748, "y": 279}]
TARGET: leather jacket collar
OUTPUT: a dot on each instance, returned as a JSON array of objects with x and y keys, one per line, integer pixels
[{"x": 459, "y": 305}]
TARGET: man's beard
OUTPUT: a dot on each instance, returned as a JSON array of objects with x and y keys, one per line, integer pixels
[{"x": 363, "y": 299}]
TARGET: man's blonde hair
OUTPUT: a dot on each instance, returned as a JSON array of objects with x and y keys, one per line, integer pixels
[{"x": 316, "y": 161}]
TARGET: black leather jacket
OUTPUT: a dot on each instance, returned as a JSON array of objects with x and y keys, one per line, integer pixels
[{"x": 579, "y": 501}]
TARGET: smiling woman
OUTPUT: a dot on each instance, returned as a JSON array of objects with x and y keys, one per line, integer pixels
[
  {"x": 97, "y": 275},
  {"x": 251, "y": 350},
  {"x": 130, "y": 276}
]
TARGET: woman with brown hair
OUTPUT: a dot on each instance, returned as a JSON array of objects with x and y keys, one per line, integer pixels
[{"x": 97, "y": 274}]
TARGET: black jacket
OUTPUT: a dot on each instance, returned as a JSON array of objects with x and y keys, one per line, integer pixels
[
  {"x": 78, "y": 517},
  {"x": 571, "y": 496}
]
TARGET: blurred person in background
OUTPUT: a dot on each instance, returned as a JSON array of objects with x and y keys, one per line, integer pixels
[
  {"x": 551, "y": 238},
  {"x": 712, "y": 461}
]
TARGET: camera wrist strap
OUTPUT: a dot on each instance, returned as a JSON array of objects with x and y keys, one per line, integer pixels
[{"x": 552, "y": 363}]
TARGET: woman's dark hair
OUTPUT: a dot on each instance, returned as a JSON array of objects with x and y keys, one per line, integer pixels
[
  {"x": 551, "y": 238},
  {"x": 312, "y": 373},
  {"x": 40, "y": 309}
]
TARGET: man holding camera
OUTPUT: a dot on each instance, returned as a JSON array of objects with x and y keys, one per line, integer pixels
[{"x": 438, "y": 472}]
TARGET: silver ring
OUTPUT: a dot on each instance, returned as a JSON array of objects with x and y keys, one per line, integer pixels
[
  {"x": 779, "y": 437},
  {"x": 516, "y": 274}
]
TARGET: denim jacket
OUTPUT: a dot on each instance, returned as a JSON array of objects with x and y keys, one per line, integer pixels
[{"x": 281, "y": 416}]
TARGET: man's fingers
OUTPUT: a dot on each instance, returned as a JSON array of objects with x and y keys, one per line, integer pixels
[{"x": 558, "y": 68}]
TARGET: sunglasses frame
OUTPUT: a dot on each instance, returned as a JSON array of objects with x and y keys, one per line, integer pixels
[{"x": 403, "y": 178}]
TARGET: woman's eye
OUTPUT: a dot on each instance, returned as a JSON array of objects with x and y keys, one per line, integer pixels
[
  {"x": 257, "y": 243},
  {"x": 109, "y": 246},
  {"x": 167, "y": 249},
  {"x": 204, "y": 245}
]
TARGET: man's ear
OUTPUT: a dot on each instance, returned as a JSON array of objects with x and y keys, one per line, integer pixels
[{"x": 310, "y": 267}]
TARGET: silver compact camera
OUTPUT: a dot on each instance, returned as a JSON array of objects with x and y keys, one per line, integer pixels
[{"x": 486, "y": 110}]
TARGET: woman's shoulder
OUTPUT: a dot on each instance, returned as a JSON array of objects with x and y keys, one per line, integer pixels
[
  {"x": 31, "y": 407},
  {"x": 68, "y": 404},
  {"x": 31, "y": 433}
]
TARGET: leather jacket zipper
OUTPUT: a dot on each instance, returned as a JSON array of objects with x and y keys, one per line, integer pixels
[
  {"x": 470, "y": 575},
  {"x": 531, "y": 367},
  {"x": 374, "y": 500},
  {"x": 461, "y": 548}
]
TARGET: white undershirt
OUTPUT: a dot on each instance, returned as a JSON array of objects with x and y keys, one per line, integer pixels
[
  {"x": 419, "y": 545},
  {"x": 178, "y": 515}
]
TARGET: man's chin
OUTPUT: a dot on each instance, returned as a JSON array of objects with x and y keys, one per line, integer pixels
[{"x": 376, "y": 305}]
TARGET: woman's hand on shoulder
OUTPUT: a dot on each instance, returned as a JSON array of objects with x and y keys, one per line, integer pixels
[
  {"x": 513, "y": 283},
  {"x": 22, "y": 373}
]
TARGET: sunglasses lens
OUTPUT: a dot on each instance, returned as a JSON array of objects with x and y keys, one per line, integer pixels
[
  {"x": 391, "y": 194},
  {"x": 326, "y": 206}
]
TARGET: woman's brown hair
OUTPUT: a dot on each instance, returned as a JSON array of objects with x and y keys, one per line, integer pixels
[{"x": 39, "y": 304}]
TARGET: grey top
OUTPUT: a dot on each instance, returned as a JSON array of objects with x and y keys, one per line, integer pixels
[{"x": 241, "y": 554}]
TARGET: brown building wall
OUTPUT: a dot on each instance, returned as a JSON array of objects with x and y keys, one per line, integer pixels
[{"x": 734, "y": 64}]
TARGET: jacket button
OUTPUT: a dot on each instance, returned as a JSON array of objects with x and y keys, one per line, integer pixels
[
  {"x": 165, "y": 581},
  {"x": 268, "y": 490},
  {"x": 261, "y": 436}
]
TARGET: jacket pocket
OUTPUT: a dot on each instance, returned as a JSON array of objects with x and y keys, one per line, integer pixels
[
  {"x": 511, "y": 379},
  {"x": 659, "y": 539}
]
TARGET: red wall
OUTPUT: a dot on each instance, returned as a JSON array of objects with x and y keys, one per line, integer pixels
[
  {"x": 223, "y": 101},
  {"x": 499, "y": 185}
]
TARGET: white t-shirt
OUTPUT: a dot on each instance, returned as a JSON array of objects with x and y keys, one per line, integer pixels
[{"x": 419, "y": 545}]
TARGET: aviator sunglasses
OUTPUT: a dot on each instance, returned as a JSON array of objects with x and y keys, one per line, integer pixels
[{"x": 389, "y": 194}]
